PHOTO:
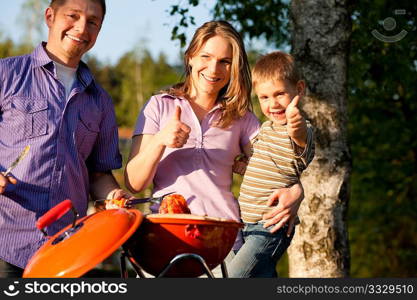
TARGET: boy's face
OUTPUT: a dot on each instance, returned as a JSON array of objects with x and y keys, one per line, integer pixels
[{"x": 275, "y": 96}]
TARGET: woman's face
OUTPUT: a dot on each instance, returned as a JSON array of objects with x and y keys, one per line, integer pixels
[{"x": 211, "y": 66}]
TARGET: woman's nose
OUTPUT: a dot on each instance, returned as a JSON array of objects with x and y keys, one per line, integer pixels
[{"x": 213, "y": 66}]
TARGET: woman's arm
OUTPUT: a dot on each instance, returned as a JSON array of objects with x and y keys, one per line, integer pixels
[
  {"x": 145, "y": 154},
  {"x": 147, "y": 150}
]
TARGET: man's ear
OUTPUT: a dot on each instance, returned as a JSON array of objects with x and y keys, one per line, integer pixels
[
  {"x": 301, "y": 87},
  {"x": 49, "y": 16}
]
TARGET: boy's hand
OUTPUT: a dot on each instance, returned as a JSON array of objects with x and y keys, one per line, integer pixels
[
  {"x": 289, "y": 201},
  {"x": 296, "y": 124},
  {"x": 4, "y": 181},
  {"x": 240, "y": 164}
]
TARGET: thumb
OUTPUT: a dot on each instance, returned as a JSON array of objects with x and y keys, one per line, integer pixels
[
  {"x": 294, "y": 102},
  {"x": 177, "y": 114},
  {"x": 274, "y": 197}
]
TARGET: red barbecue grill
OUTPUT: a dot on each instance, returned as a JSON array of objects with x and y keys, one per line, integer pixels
[{"x": 164, "y": 245}]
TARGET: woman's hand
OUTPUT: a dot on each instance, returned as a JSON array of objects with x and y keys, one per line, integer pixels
[
  {"x": 4, "y": 181},
  {"x": 289, "y": 200},
  {"x": 176, "y": 133}
]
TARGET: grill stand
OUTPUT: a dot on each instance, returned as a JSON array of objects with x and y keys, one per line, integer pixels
[{"x": 138, "y": 269}]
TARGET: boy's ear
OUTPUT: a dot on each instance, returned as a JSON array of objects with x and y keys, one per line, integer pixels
[{"x": 300, "y": 86}]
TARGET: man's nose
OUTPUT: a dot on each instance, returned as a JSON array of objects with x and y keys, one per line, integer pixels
[{"x": 81, "y": 25}]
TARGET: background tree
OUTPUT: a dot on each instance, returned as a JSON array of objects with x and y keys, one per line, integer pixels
[
  {"x": 382, "y": 134},
  {"x": 32, "y": 21}
]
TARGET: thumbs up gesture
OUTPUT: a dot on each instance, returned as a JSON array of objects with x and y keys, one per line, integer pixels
[
  {"x": 175, "y": 134},
  {"x": 296, "y": 124}
]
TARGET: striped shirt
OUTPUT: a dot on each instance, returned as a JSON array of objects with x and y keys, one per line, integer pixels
[
  {"x": 68, "y": 137},
  {"x": 274, "y": 164}
]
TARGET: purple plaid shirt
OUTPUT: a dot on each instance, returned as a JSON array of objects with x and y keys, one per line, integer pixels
[{"x": 68, "y": 139}]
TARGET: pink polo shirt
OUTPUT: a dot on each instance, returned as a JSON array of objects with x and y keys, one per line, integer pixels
[{"x": 201, "y": 171}]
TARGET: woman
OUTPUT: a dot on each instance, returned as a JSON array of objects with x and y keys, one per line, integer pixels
[{"x": 186, "y": 140}]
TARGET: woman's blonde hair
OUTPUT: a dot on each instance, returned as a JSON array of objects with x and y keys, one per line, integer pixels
[{"x": 235, "y": 96}]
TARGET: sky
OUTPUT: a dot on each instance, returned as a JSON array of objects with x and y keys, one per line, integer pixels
[{"x": 128, "y": 24}]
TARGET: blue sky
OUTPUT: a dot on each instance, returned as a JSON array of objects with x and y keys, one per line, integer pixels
[{"x": 128, "y": 23}]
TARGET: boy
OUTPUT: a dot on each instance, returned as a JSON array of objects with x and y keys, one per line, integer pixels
[{"x": 281, "y": 151}]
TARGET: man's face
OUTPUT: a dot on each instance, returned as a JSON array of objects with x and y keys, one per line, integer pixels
[{"x": 73, "y": 30}]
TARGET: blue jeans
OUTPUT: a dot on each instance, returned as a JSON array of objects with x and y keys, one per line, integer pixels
[{"x": 260, "y": 252}]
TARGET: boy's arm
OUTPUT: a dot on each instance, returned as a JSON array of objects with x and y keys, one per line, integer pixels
[{"x": 305, "y": 155}]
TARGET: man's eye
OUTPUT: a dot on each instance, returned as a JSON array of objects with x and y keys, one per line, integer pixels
[{"x": 72, "y": 16}]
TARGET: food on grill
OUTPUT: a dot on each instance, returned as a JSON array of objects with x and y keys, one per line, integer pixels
[
  {"x": 174, "y": 204},
  {"x": 115, "y": 203}
]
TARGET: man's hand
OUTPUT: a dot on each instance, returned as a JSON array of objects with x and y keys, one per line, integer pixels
[
  {"x": 296, "y": 124},
  {"x": 176, "y": 133},
  {"x": 117, "y": 194},
  {"x": 289, "y": 200},
  {"x": 4, "y": 181}
]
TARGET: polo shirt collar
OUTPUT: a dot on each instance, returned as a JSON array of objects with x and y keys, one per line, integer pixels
[{"x": 215, "y": 107}]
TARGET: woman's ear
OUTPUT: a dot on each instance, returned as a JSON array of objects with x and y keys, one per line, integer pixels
[{"x": 301, "y": 87}]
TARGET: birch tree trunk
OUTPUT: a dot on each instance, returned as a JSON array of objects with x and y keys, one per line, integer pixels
[{"x": 320, "y": 43}]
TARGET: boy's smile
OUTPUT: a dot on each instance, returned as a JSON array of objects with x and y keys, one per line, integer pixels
[{"x": 274, "y": 97}]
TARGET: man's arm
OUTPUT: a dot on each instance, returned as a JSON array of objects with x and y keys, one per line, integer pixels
[{"x": 104, "y": 186}]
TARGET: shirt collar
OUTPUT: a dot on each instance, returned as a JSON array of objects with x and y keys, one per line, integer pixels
[
  {"x": 40, "y": 58},
  {"x": 215, "y": 107}
]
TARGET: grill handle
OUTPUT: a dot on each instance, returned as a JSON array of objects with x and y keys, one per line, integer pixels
[{"x": 54, "y": 214}]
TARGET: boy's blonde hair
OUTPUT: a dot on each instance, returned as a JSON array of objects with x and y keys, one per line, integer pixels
[{"x": 275, "y": 66}]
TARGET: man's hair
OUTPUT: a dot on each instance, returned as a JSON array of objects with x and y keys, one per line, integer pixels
[
  {"x": 275, "y": 66},
  {"x": 57, "y": 3}
]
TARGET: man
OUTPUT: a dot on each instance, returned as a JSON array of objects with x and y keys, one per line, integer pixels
[{"x": 50, "y": 101}]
